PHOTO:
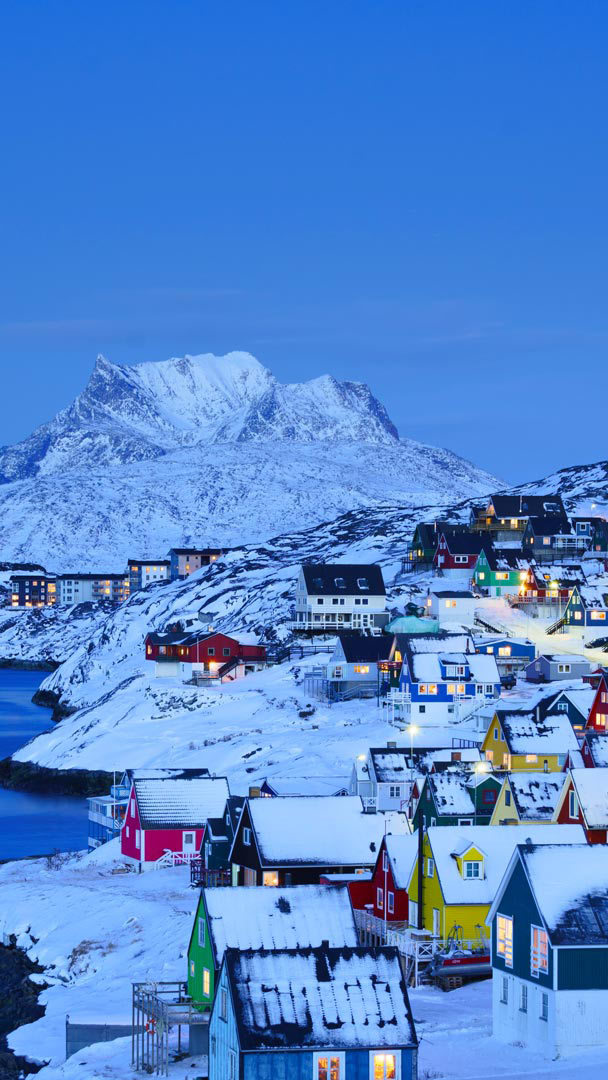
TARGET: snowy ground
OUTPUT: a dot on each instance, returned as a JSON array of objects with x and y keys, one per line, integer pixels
[{"x": 245, "y": 730}]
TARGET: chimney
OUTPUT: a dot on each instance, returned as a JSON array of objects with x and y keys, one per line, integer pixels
[
  {"x": 325, "y": 944},
  {"x": 255, "y": 793},
  {"x": 391, "y": 746}
]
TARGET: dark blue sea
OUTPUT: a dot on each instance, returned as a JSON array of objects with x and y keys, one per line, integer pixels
[{"x": 32, "y": 824}]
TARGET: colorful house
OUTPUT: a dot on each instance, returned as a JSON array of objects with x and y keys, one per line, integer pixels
[
  {"x": 549, "y": 536},
  {"x": 556, "y": 667},
  {"x": 352, "y": 670},
  {"x": 457, "y": 553},
  {"x": 294, "y": 840},
  {"x": 549, "y": 923},
  {"x": 33, "y": 588},
  {"x": 511, "y": 654},
  {"x": 219, "y": 834},
  {"x": 385, "y": 776},
  {"x": 584, "y": 800},
  {"x": 594, "y": 749},
  {"x": 587, "y": 607},
  {"x": 528, "y": 797},
  {"x": 422, "y": 548},
  {"x": 506, "y": 516},
  {"x": 302, "y": 916},
  {"x": 576, "y": 703},
  {"x": 388, "y": 897},
  {"x": 521, "y": 740},
  {"x": 167, "y": 816},
  {"x": 456, "y": 798},
  {"x": 340, "y": 1014},
  {"x": 597, "y": 719},
  {"x": 331, "y": 597},
  {"x": 462, "y": 870},
  {"x": 202, "y": 655},
  {"x": 499, "y": 573},
  {"x": 80, "y": 588},
  {"x": 450, "y": 606},
  {"x": 442, "y": 674}
]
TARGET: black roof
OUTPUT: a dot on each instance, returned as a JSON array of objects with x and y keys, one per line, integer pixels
[
  {"x": 453, "y": 593},
  {"x": 196, "y": 551},
  {"x": 360, "y": 647},
  {"x": 430, "y": 531},
  {"x": 92, "y": 577},
  {"x": 149, "y": 562},
  {"x": 352, "y": 579},
  {"x": 550, "y": 525},
  {"x": 180, "y": 637},
  {"x": 507, "y": 506},
  {"x": 468, "y": 543}
]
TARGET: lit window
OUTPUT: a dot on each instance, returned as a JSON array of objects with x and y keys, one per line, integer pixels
[
  {"x": 531, "y": 759},
  {"x": 422, "y": 688},
  {"x": 539, "y": 951},
  {"x": 432, "y": 688},
  {"x": 330, "y": 1067},
  {"x": 385, "y": 1066},
  {"x": 270, "y": 877},
  {"x": 192, "y": 968},
  {"x": 201, "y": 932},
  {"x": 504, "y": 650},
  {"x": 361, "y": 669},
  {"x": 379, "y": 898},
  {"x": 504, "y": 938},
  {"x": 460, "y": 688},
  {"x": 206, "y": 983},
  {"x": 451, "y": 689}
]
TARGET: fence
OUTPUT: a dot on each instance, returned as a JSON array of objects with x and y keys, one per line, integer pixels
[
  {"x": 418, "y": 948},
  {"x": 78, "y": 1036},
  {"x": 158, "y": 1008}
]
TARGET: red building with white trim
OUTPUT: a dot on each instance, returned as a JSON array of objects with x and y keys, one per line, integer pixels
[
  {"x": 209, "y": 653},
  {"x": 387, "y": 896},
  {"x": 459, "y": 552},
  {"x": 584, "y": 801},
  {"x": 598, "y": 713}
]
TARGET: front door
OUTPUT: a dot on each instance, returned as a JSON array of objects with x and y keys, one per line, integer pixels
[
  {"x": 189, "y": 843},
  {"x": 498, "y": 590},
  {"x": 436, "y": 922}
]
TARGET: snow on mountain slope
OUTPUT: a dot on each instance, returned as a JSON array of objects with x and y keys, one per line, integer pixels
[{"x": 584, "y": 488}]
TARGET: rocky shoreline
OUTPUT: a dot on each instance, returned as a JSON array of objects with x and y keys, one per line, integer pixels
[
  {"x": 50, "y": 700},
  {"x": 29, "y": 665},
  {"x": 25, "y": 776},
  {"x": 18, "y": 1005}
]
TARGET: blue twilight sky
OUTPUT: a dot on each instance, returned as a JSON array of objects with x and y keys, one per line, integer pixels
[{"x": 410, "y": 193}]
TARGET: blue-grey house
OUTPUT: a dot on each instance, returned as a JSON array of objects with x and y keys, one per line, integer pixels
[
  {"x": 557, "y": 667},
  {"x": 511, "y": 653},
  {"x": 587, "y": 606},
  {"x": 312, "y": 1014},
  {"x": 550, "y": 948}
]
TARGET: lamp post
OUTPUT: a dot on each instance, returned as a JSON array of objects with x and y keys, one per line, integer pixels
[
  {"x": 480, "y": 767},
  {"x": 413, "y": 730}
]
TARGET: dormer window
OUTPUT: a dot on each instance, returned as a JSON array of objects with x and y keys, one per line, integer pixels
[
  {"x": 363, "y": 583},
  {"x": 472, "y": 869},
  {"x": 340, "y": 583},
  {"x": 317, "y": 582}
]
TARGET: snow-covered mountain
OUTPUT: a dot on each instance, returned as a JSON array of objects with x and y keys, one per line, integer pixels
[{"x": 210, "y": 450}]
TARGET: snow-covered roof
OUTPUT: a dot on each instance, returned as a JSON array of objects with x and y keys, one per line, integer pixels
[
  {"x": 394, "y": 765},
  {"x": 498, "y": 842},
  {"x": 573, "y": 904},
  {"x": 452, "y": 796},
  {"x": 174, "y": 802},
  {"x": 402, "y": 851},
  {"x": 348, "y": 579},
  {"x": 581, "y": 699},
  {"x": 593, "y": 596},
  {"x": 293, "y": 917},
  {"x": 427, "y": 667},
  {"x": 536, "y": 794},
  {"x": 597, "y": 743},
  {"x": 313, "y": 830},
  {"x": 564, "y": 658},
  {"x": 307, "y": 785},
  {"x": 441, "y": 642},
  {"x": 334, "y": 998},
  {"x": 592, "y": 793},
  {"x": 526, "y": 733}
]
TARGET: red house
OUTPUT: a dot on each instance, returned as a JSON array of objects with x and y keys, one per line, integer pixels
[
  {"x": 594, "y": 749},
  {"x": 167, "y": 815},
  {"x": 207, "y": 653},
  {"x": 584, "y": 801},
  {"x": 390, "y": 878},
  {"x": 460, "y": 552},
  {"x": 598, "y": 714}
]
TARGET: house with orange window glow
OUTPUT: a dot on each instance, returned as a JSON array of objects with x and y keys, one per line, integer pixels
[{"x": 202, "y": 655}]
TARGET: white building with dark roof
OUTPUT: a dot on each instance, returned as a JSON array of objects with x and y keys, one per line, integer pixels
[{"x": 339, "y": 596}]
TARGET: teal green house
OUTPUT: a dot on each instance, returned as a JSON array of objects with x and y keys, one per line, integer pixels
[
  {"x": 498, "y": 575},
  {"x": 549, "y": 925},
  {"x": 455, "y": 798}
]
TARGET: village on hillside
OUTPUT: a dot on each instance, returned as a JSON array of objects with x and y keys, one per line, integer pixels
[{"x": 466, "y": 854}]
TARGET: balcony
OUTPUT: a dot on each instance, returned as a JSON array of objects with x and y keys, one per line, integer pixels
[{"x": 201, "y": 877}]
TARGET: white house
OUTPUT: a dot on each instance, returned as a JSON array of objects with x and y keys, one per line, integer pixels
[
  {"x": 336, "y": 596},
  {"x": 78, "y": 588},
  {"x": 451, "y": 606}
]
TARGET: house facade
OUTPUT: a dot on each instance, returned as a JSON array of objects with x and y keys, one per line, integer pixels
[
  {"x": 338, "y": 596},
  {"x": 527, "y": 740},
  {"x": 587, "y": 608},
  {"x": 186, "y": 561},
  {"x": 455, "y": 798},
  {"x": 511, "y": 654},
  {"x": 33, "y": 589},
  {"x": 498, "y": 574},
  {"x": 556, "y": 667},
  {"x": 352, "y": 670},
  {"x": 256, "y": 1033},
  {"x": 82, "y": 588},
  {"x": 168, "y": 815},
  {"x": 550, "y": 950},
  {"x": 549, "y": 537},
  {"x": 143, "y": 572},
  {"x": 202, "y": 654},
  {"x": 442, "y": 675},
  {"x": 505, "y": 516},
  {"x": 388, "y": 896},
  {"x": 457, "y": 553},
  {"x": 597, "y": 720},
  {"x": 528, "y": 797},
  {"x": 584, "y": 801},
  {"x": 450, "y": 606}
]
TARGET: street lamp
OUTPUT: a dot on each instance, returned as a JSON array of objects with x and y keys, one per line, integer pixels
[
  {"x": 479, "y": 768},
  {"x": 413, "y": 730}
]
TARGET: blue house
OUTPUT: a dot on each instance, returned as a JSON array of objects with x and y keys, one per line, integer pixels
[
  {"x": 441, "y": 671},
  {"x": 587, "y": 607},
  {"x": 312, "y": 1014},
  {"x": 511, "y": 653},
  {"x": 550, "y": 948}
]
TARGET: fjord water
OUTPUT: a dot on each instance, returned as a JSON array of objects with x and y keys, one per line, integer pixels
[{"x": 32, "y": 824}]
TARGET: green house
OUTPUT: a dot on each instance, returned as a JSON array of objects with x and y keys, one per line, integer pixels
[
  {"x": 263, "y": 917},
  {"x": 456, "y": 798},
  {"x": 495, "y": 575}
]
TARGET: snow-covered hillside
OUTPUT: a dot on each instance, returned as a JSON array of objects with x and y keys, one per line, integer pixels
[
  {"x": 207, "y": 450},
  {"x": 584, "y": 488}
]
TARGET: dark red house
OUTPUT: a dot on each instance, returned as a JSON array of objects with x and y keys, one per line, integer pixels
[
  {"x": 584, "y": 801},
  {"x": 386, "y": 896},
  {"x": 207, "y": 652},
  {"x": 168, "y": 815},
  {"x": 594, "y": 749},
  {"x": 598, "y": 714},
  {"x": 460, "y": 551}
]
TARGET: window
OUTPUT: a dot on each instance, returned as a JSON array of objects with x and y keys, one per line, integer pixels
[
  {"x": 539, "y": 951},
  {"x": 361, "y": 669},
  {"x": 340, "y": 583},
  {"x": 504, "y": 938},
  {"x": 504, "y": 650},
  {"x": 320, "y": 600},
  {"x": 544, "y": 1006},
  {"x": 384, "y": 860},
  {"x": 225, "y": 652},
  {"x": 504, "y": 991},
  {"x": 523, "y": 998},
  {"x": 531, "y": 759},
  {"x": 562, "y": 706},
  {"x": 192, "y": 968},
  {"x": 390, "y": 899},
  {"x": 495, "y": 734},
  {"x": 450, "y": 603},
  {"x": 461, "y": 559},
  {"x": 395, "y": 791},
  {"x": 363, "y": 583},
  {"x": 507, "y": 797},
  {"x": 206, "y": 983},
  {"x": 379, "y": 898},
  {"x": 432, "y": 688},
  {"x": 271, "y": 877},
  {"x": 460, "y": 689},
  {"x": 488, "y": 797},
  {"x": 384, "y": 1066},
  {"x": 137, "y": 838},
  {"x": 572, "y": 805},
  {"x": 127, "y": 832},
  {"x": 201, "y": 932},
  {"x": 132, "y": 807},
  {"x": 223, "y": 1004},
  {"x": 472, "y": 869},
  {"x": 330, "y": 1067},
  {"x": 564, "y": 668},
  {"x": 451, "y": 689},
  {"x": 430, "y": 868},
  {"x": 598, "y": 615},
  {"x": 211, "y": 650},
  {"x": 489, "y": 689},
  {"x": 246, "y": 835},
  {"x": 365, "y": 601},
  {"x": 422, "y": 688}
]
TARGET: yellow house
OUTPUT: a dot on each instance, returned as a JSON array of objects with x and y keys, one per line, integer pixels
[
  {"x": 519, "y": 740},
  {"x": 463, "y": 868},
  {"x": 528, "y": 797}
]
